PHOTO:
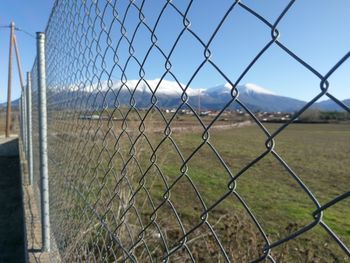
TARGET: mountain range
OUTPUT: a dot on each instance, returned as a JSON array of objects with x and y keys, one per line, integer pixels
[{"x": 169, "y": 94}]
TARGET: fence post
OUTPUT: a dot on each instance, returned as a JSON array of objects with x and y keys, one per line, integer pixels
[
  {"x": 29, "y": 128},
  {"x": 44, "y": 178},
  {"x": 21, "y": 116},
  {"x": 24, "y": 119}
]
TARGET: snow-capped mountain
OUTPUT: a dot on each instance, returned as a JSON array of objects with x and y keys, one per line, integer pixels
[
  {"x": 164, "y": 87},
  {"x": 171, "y": 94},
  {"x": 253, "y": 96}
]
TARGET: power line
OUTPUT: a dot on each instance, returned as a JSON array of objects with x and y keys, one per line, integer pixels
[
  {"x": 24, "y": 31},
  {"x": 19, "y": 29}
]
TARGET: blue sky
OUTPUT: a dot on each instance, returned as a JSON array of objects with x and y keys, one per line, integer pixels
[
  {"x": 318, "y": 31},
  {"x": 31, "y": 16}
]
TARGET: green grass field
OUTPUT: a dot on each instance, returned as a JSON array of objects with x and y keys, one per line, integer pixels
[{"x": 317, "y": 153}]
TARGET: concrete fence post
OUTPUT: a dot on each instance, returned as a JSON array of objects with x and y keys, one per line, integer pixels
[
  {"x": 29, "y": 129},
  {"x": 44, "y": 178}
]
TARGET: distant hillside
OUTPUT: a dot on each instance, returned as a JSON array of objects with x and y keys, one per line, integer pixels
[
  {"x": 14, "y": 104},
  {"x": 329, "y": 105},
  {"x": 169, "y": 94},
  {"x": 255, "y": 97}
]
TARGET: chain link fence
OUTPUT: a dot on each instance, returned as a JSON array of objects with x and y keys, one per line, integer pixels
[{"x": 141, "y": 172}]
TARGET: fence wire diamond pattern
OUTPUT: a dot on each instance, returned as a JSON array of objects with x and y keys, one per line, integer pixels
[{"x": 122, "y": 180}]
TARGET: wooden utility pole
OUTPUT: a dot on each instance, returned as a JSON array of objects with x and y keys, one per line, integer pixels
[
  {"x": 18, "y": 64},
  {"x": 8, "y": 114},
  {"x": 23, "y": 89}
]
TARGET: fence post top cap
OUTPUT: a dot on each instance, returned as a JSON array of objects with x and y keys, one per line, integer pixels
[{"x": 40, "y": 34}]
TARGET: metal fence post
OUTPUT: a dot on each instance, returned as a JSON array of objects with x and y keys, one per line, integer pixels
[
  {"x": 24, "y": 119},
  {"x": 44, "y": 186},
  {"x": 21, "y": 116},
  {"x": 29, "y": 128}
]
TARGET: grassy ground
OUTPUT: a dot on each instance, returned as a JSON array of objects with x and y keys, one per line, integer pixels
[{"x": 317, "y": 153}]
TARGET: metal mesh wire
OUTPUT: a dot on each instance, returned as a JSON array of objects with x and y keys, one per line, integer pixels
[{"x": 126, "y": 183}]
